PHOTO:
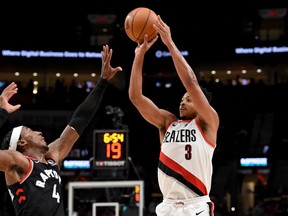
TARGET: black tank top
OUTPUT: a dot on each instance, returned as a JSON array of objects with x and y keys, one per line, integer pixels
[{"x": 39, "y": 192}]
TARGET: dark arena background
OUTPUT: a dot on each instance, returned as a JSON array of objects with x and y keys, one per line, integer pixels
[{"x": 239, "y": 51}]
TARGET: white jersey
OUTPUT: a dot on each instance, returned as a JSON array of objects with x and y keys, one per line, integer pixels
[{"x": 185, "y": 162}]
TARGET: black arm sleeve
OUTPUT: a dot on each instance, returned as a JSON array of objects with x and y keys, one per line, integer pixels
[
  {"x": 87, "y": 109},
  {"x": 3, "y": 116}
]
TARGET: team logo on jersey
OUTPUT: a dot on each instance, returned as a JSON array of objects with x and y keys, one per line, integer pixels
[
  {"x": 183, "y": 135},
  {"x": 19, "y": 193},
  {"x": 45, "y": 175},
  {"x": 20, "y": 197}
]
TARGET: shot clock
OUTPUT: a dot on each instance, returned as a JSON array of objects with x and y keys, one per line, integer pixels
[{"x": 110, "y": 149}]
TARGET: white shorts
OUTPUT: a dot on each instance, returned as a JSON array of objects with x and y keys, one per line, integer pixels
[{"x": 201, "y": 206}]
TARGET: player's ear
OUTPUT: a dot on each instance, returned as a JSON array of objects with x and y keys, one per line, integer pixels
[{"x": 21, "y": 143}]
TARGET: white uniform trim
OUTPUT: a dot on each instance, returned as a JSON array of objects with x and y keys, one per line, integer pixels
[{"x": 15, "y": 137}]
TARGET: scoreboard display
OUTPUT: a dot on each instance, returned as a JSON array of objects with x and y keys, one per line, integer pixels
[{"x": 110, "y": 149}]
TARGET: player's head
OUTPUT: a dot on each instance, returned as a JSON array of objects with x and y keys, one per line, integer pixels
[
  {"x": 11, "y": 139},
  {"x": 22, "y": 139},
  {"x": 186, "y": 109}
]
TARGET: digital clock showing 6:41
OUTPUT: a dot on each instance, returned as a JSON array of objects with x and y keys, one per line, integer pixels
[{"x": 110, "y": 149}]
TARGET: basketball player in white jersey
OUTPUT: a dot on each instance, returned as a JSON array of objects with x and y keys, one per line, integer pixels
[{"x": 188, "y": 143}]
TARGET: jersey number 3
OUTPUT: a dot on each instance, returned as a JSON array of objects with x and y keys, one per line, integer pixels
[{"x": 188, "y": 154}]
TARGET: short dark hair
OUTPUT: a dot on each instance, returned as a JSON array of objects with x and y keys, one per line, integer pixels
[
  {"x": 207, "y": 94},
  {"x": 6, "y": 141}
]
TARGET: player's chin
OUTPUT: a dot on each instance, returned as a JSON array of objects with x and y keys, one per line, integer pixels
[{"x": 182, "y": 113}]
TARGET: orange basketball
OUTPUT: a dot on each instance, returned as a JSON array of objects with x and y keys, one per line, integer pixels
[{"x": 139, "y": 22}]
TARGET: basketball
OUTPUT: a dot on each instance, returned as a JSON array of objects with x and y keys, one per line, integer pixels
[{"x": 139, "y": 22}]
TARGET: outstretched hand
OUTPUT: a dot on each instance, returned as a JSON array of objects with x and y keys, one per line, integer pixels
[
  {"x": 145, "y": 45},
  {"x": 5, "y": 96},
  {"x": 165, "y": 34},
  {"x": 164, "y": 31},
  {"x": 107, "y": 71}
]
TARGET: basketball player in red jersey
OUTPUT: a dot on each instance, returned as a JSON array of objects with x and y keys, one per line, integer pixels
[
  {"x": 188, "y": 143},
  {"x": 32, "y": 168}
]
